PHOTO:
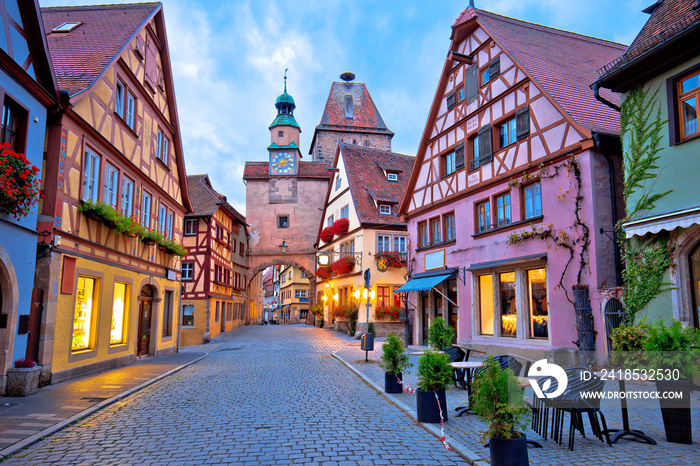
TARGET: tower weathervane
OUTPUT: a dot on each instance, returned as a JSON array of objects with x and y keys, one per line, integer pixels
[{"x": 285, "y": 79}]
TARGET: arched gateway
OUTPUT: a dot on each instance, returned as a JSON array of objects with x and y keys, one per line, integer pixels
[{"x": 284, "y": 200}]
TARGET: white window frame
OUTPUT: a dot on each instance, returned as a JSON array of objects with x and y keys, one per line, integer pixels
[
  {"x": 127, "y": 196},
  {"x": 384, "y": 209},
  {"x": 345, "y": 212},
  {"x": 191, "y": 226},
  {"x": 119, "y": 99},
  {"x": 392, "y": 176},
  {"x": 130, "y": 109},
  {"x": 146, "y": 201},
  {"x": 171, "y": 221},
  {"x": 189, "y": 306},
  {"x": 383, "y": 243},
  {"x": 401, "y": 240},
  {"x": 91, "y": 175},
  {"x": 111, "y": 185},
  {"x": 162, "y": 214},
  {"x": 190, "y": 269}
]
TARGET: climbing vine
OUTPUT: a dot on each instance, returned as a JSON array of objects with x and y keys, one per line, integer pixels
[
  {"x": 578, "y": 245},
  {"x": 646, "y": 262}
]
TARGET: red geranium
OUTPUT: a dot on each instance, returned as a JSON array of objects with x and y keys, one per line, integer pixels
[
  {"x": 387, "y": 313},
  {"x": 327, "y": 234},
  {"x": 340, "y": 226},
  {"x": 324, "y": 273},
  {"x": 20, "y": 185},
  {"x": 343, "y": 265}
]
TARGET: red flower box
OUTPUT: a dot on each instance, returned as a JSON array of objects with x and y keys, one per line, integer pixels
[
  {"x": 324, "y": 273},
  {"x": 327, "y": 234},
  {"x": 341, "y": 226},
  {"x": 343, "y": 265},
  {"x": 387, "y": 313}
]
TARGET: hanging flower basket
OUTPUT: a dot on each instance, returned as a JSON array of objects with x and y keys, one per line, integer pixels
[
  {"x": 343, "y": 265},
  {"x": 19, "y": 183},
  {"x": 327, "y": 234},
  {"x": 395, "y": 260},
  {"x": 340, "y": 226},
  {"x": 324, "y": 273}
]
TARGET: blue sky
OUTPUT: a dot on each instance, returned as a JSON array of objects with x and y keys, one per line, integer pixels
[{"x": 229, "y": 57}]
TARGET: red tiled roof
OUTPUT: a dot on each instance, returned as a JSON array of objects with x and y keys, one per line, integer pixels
[
  {"x": 562, "y": 62},
  {"x": 81, "y": 55},
  {"x": 261, "y": 170},
  {"x": 366, "y": 178},
  {"x": 669, "y": 18},
  {"x": 205, "y": 200}
]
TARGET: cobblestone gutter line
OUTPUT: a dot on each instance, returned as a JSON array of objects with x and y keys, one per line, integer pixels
[
  {"x": 457, "y": 447},
  {"x": 22, "y": 444}
]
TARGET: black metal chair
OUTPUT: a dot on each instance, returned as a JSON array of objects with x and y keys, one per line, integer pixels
[{"x": 457, "y": 354}]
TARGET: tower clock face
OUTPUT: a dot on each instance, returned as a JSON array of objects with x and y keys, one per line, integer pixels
[{"x": 282, "y": 163}]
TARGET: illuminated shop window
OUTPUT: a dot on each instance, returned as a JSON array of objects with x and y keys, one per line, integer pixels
[
  {"x": 84, "y": 312},
  {"x": 119, "y": 308}
]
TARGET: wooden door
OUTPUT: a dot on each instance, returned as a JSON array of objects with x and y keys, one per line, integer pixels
[
  {"x": 144, "y": 338},
  {"x": 35, "y": 310},
  {"x": 223, "y": 316}
]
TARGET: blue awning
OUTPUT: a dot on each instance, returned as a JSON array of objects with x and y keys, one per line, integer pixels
[{"x": 423, "y": 283}]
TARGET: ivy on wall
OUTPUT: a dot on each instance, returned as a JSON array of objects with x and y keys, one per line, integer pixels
[{"x": 646, "y": 261}]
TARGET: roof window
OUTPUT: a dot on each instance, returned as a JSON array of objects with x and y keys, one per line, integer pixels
[{"x": 67, "y": 26}]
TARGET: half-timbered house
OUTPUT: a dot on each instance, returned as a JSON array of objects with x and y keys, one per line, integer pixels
[
  {"x": 110, "y": 297},
  {"x": 28, "y": 95},
  {"x": 363, "y": 231},
  {"x": 214, "y": 271},
  {"x": 511, "y": 187}
]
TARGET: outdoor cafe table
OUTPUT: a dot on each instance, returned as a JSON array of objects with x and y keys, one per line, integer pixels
[
  {"x": 619, "y": 433},
  {"x": 468, "y": 367}
]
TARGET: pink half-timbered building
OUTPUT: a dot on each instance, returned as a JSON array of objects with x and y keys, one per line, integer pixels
[{"x": 512, "y": 179}]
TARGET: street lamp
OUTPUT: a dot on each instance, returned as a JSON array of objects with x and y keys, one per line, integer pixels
[{"x": 283, "y": 246}]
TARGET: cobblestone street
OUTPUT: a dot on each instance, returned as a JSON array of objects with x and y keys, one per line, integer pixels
[{"x": 266, "y": 395}]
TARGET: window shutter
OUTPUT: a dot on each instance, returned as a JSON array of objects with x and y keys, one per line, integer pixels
[
  {"x": 459, "y": 156},
  {"x": 522, "y": 122},
  {"x": 495, "y": 67},
  {"x": 485, "y": 151},
  {"x": 472, "y": 83},
  {"x": 450, "y": 100}
]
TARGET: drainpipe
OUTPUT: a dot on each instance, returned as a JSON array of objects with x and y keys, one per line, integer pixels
[
  {"x": 613, "y": 204},
  {"x": 596, "y": 88}
]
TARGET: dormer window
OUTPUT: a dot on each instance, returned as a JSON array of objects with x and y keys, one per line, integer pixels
[
  {"x": 67, "y": 26},
  {"x": 384, "y": 209},
  {"x": 348, "y": 107},
  {"x": 392, "y": 176}
]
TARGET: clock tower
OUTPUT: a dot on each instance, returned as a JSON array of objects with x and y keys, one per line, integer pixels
[{"x": 284, "y": 137}]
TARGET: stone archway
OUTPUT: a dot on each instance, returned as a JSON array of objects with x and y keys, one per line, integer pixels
[
  {"x": 300, "y": 261},
  {"x": 9, "y": 299}
]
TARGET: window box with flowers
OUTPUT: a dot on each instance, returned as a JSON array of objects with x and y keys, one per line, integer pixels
[
  {"x": 343, "y": 265},
  {"x": 395, "y": 260},
  {"x": 19, "y": 183},
  {"x": 387, "y": 313},
  {"x": 324, "y": 273},
  {"x": 152, "y": 237},
  {"x": 341, "y": 226},
  {"x": 327, "y": 234},
  {"x": 102, "y": 212},
  {"x": 172, "y": 247}
]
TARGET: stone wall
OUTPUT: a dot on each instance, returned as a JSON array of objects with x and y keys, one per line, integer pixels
[{"x": 327, "y": 142}]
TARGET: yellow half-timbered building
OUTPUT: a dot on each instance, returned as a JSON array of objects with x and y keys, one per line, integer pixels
[{"x": 110, "y": 297}]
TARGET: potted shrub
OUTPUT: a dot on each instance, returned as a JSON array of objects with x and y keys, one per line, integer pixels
[
  {"x": 673, "y": 352},
  {"x": 499, "y": 402},
  {"x": 327, "y": 234},
  {"x": 20, "y": 181},
  {"x": 440, "y": 334},
  {"x": 23, "y": 378},
  {"x": 394, "y": 362},
  {"x": 341, "y": 226},
  {"x": 351, "y": 314},
  {"x": 434, "y": 376}
]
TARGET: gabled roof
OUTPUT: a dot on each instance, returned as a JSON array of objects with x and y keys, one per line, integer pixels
[
  {"x": 205, "y": 200},
  {"x": 261, "y": 170},
  {"x": 670, "y": 37},
  {"x": 369, "y": 183},
  {"x": 80, "y": 56},
  {"x": 562, "y": 62},
  {"x": 366, "y": 117}
]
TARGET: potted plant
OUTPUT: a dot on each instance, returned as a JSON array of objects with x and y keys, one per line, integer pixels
[
  {"x": 343, "y": 265},
  {"x": 395, "y": 260},
  {"x": 324, "y": 273},
  {"x": 23, "y": 378},
  {"x": 20, "y": 181},
  {"x": 434, "y": 376},
  {"x": 127, "y": 226},
  {"x": 151, "y": 237},
  {"x": 394, "y": 362},
  {"x": 327, "y": 234},
  {"x": 173, "y": 247},
  {"x": 440, "y": 334},
  {"x": 673, "y": 352},
  {"x": 390, "y": 313},
  {"x": 499, "y": 402}
]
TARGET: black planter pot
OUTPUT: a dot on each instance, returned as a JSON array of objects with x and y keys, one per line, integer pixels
[
  {"x": 676, "y": 412},
  {"x": 508, "y": 452},
  {"x": 427, "y": 407},
  {"x": 391, "y": 383}
]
